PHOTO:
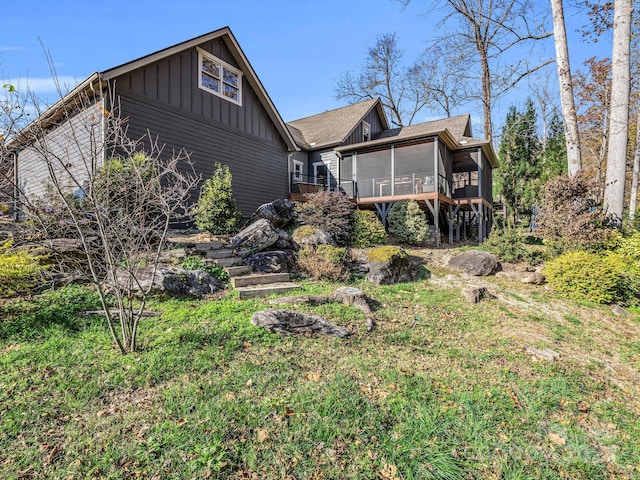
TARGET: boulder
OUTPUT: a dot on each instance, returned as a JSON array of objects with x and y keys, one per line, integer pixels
[
  {"x": 279, "y": 213},
  {"x": 257, "y": 237},
  {"x": 173, "y": 281},
  {"x": 531, "y": 278},
  {"x": 287, "y": 322},
  {"x": 476, "y": 294},
  {"x": 308, "y": 236},
  {"x": 388, "y": 265},
  {"x": 285, "y": 242},
  {"x": 273, "y": 261},
  {"x": 476, "y": 263}
]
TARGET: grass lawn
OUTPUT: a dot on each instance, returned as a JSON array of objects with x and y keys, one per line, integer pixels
[{"x": 455, "y": 396}]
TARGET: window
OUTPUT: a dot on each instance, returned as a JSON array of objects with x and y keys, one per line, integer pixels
[
  {"x": 297, "y": 170},
  {"x": 366, "y": 132},
  {"x": 219, "y": 78}
]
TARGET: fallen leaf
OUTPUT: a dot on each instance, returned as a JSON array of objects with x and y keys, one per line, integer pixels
[
  {"x": 389, "y": 472},
  {"x": 289, "y": 412},
  {"x": 391, "y": 386},
  {"x": 263, "y": 435},
  {"x": 249, "y": 383},
  {"x": 230, "y": 396},
  {"x": 312, "y": 377},
  {"x": 556, "y": 439},
  {"x": 583, "y": 406},
  {"x": 503, "y": 437},
  {"x": 181, "y": 422}
]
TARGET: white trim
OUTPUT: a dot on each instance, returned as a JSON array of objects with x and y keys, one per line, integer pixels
[
  {"x": 222, "y": 66},
  {"x": 298, "y": 176},
  {"x": 366, "y": 127},
  {"x": 315, "y": 171}
]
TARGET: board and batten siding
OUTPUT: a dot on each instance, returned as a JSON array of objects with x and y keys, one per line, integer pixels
[
  {"x": 373, "y": 119},
  {"x": 330, "y": 159},
  {"x": 258, "y": 167},
  {"x": 73, "y": 149},
  {"x": 164, "y": 99}
]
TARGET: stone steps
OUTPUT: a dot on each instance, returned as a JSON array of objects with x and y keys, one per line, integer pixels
[
  {"x": 255, "y": 291},
  {"x": 259, "y": 279},
  {"x": 241, "y": 277}
]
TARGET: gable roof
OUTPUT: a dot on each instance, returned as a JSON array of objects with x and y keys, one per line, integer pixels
[
  {"x": 455, "y": 132},
  {"x": 333, "y": 127},
  {"x": 94, "y": 82},
  {"x": 457, "y": 127}
]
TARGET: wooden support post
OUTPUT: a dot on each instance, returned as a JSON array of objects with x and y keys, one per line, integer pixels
[
  {"x": 383, "y": 211},
  {"x": 453, "y": 214},
  {"x": 436, "y": 208}
]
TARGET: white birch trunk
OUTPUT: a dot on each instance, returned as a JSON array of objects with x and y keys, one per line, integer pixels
[
  {"x": 619, "y": 116},
  {"x": 574, "y": 159}
]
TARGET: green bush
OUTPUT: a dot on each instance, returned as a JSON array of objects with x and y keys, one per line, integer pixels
[
  {"x": 368, "y": 231},
  {"x": 509, "y": 245},
  {"x": 329, "y": 211},
  {"x": 216, "y": 211},
  {"x": 325, "y": 262},
  {"x": 408, "y": 223},
  {"x": 600, "y": 278},
  {"x": 194, "y": 262},
  {"x": 19, "y": 270}
]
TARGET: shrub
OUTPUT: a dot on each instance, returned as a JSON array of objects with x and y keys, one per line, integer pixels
[
  {"x": 509, "y": 245},
  {"x": 601, "y": 278},
  {"x": 568, "y": 216},
  {"x": 216, "y": 211},
  {"x": 19, "y": 270},
  {"x": 325, "y": 262},
  {"x": 368, "y": 231},
  {"x": 329, "y": 211},
  {"x": 408, "y": 222},
  {"x": 194, "y": 262}
]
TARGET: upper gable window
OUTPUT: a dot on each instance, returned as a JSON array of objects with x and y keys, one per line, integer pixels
[
  {"x": 366, "y": 132},
  {"x": 219, "y": 78}
]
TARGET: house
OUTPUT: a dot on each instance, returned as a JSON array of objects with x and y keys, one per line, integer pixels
[
  {"x": 439, "y": 164},
  {"x": 203, "y": 96}
]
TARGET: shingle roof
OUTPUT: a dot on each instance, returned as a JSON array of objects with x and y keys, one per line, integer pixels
[
  {"x": 331, "y": 127},
  {"x": 457, "y": 126}
]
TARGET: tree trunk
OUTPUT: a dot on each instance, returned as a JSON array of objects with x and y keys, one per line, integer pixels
[
  {"x": 574, "y": 159},
  {"x": 486, "y": 96},
  {"x": 636, "y": 167},
  {"x": 619, "y": 117}
]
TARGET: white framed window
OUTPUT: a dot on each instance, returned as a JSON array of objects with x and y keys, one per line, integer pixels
[
  {"x": 366, "y": 132},
  {"x": 219, "y": 78},
  {"x": 297, "y": 170}
]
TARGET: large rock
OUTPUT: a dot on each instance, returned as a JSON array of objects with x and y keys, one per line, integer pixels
[
  {"x": 388, "y": 265},
  {"x": 280, "y": 212},
  {"x": 476, "y": 263},
  {"x": 287, "y": 322},
  {"x": 173, "y": 281},
  {"x": 308, "y": 236},
  {"x": 273, "y": 261},
  {"x": 258, "y": 236},
  {"x": 285, "y": 242}
]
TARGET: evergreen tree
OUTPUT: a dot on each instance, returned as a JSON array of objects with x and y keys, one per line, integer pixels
[
  {"x": 520, "y": 169},
  {"x": 554, "y": 156}
]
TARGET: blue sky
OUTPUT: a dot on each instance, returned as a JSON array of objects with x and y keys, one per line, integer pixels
[{"x": 297, "y": 47}]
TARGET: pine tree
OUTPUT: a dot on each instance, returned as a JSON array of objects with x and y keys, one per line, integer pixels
[{"x": 520, "y": 169}]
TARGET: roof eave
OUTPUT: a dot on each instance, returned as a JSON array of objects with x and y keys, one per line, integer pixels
[
  {"x": 445, "y": 135},
  {"x": 241, "y": 58}
]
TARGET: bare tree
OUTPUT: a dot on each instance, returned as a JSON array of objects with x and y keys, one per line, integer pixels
[
  {"x": 383, "y": 76},
  {"x": 619, "y": 115},
  {"x": 435, "y": 78},
  {"x": 636, "y": 168},
  {"x": 485, "y": 32},
  {"x": 113, "y": 196}
]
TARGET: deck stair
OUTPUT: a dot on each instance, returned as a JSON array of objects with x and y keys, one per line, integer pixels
[{"x": 242, "y": 278}]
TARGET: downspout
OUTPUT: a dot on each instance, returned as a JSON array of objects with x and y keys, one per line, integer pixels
[
  {"x": 339, "y": 170},
  {"x": 289, "y": 161}
]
